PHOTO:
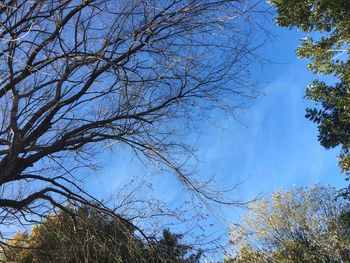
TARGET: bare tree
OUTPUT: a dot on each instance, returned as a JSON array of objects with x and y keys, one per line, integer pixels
[{"x": 79, "y": 76}]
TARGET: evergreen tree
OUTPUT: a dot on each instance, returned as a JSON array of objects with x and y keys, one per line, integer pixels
[{"x": 326, "y": 45}]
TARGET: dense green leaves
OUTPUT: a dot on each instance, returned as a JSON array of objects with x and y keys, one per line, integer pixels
[
  {"x": 300, "y": 225},
  {"x": 326, "y": 45}
]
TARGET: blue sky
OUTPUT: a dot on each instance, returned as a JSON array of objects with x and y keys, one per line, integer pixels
[{"x": 271, "y": 145}]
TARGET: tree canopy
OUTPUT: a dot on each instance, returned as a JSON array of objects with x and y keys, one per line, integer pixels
[
  {"x": 92, "y": 237},
  {"x": 326, "y": 45},
  {"x": 297, "y": 225}
]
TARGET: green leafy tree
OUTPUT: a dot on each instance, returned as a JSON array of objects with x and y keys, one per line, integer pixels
[
  {"x": 92, "y": 237},
  {"x": 170, "y": 249},
  {"x": 326, "y": 45},
  {"x": 299, "y": 225}
]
